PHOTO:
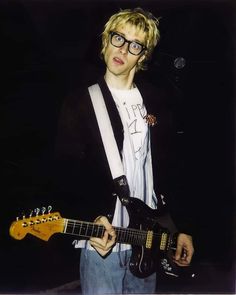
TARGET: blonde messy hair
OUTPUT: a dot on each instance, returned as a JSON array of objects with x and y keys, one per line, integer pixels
[{"x": 143, "y": 21}]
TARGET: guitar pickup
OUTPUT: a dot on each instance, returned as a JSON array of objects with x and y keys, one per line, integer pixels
[
  {"x": 163, "y": 243},
  {"x": 149, "y": 239}
]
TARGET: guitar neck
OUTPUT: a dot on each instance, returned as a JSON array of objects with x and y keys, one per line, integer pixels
[{"x": 88, "y": 229}]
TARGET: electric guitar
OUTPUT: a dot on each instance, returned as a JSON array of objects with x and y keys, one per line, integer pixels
[{"x": 152, "y": 241}]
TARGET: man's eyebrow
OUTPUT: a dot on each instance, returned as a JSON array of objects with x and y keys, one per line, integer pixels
[{"x": 123, "y": 35}]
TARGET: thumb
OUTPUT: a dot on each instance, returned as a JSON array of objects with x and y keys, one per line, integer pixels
[{"x": 178, "y": 252}]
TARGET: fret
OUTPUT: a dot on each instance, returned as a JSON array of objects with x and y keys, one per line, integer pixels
[
  {"x": 133, "y": 239},
  {"x": 126, "y": 235},
  {"x": 77, "y": 227},
  {"x": 100, "y": 230},
  {"x": 120, "y": 235},
  {"x": 94, "y": 230},
  {"x": 83, "y": 229},
  {"x": 69, "y": 228},
  {"x": 65, "y": 226},
  {"x": 73, "y": 228}
]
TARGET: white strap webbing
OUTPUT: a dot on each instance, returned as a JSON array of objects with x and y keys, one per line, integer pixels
[{"x": 106, "y": 131}]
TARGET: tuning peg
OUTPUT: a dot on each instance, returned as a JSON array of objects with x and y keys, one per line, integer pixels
[
  {"x": 36, "y": 210},
  {"x": 23, "y": 215},
  {"x": 49, "y": 209},
  {"x": 31, "y": 213},
  {"x": 43, "y": 210}
]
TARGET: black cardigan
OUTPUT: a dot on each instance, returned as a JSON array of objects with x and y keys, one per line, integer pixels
[{"x": 83, "y": 180}]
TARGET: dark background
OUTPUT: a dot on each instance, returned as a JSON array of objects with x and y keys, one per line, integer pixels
[{"x": 48, "y": 47}]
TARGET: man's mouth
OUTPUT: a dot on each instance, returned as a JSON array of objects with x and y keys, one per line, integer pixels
[{"x": 118, "y": 61}]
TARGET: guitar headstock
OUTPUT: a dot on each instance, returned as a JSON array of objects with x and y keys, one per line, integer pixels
[{"x": 43, "y": 225}]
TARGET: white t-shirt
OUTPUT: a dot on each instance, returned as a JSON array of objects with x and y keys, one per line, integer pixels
[{"x": 136, "y": 154}]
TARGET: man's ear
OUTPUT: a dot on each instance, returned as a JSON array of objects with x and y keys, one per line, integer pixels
[{"x": 142, "y": 58}]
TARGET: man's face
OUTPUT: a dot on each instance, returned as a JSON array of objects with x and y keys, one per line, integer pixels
[{"x": 119, "y": 60}]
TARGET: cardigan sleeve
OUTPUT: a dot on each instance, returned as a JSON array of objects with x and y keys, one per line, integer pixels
[{"x": 82, "y": 181}]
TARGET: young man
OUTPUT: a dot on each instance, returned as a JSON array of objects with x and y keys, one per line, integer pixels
[{"x": 144, "y": 141}]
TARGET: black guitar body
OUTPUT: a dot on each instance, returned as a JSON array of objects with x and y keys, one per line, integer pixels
[{"x": 145, "y": 261}]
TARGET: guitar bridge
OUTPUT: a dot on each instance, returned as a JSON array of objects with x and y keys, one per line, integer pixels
[{"x": 149, "y": 239}]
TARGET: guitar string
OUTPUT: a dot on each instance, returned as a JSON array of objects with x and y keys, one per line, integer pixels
[{"x": 90, "y": 226}]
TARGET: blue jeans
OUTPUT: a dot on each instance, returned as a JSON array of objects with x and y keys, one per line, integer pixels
[{"x": 111, "y": 275}]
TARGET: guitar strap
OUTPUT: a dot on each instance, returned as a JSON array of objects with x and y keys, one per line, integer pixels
[{"x": 109, "y": 143}]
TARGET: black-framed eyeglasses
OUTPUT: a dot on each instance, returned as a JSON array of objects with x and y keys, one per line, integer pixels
[{"x": 134, "y": 47}]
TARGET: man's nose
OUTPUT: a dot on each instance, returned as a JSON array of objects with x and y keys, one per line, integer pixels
[{"x": 124, "y": 48}]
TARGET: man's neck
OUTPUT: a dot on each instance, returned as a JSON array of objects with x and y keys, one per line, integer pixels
[{"x": 119, "y": 82}]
